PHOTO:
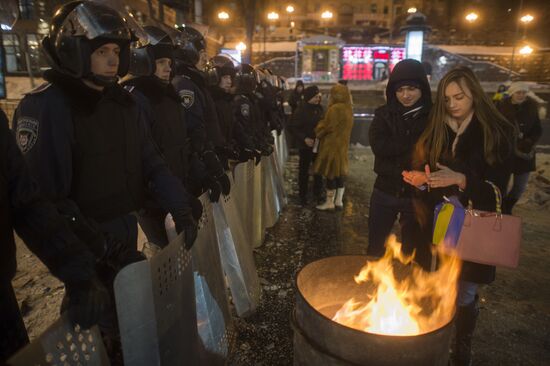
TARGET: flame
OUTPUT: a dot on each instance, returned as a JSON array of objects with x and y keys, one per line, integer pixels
[{"x": 416, "y": 303}]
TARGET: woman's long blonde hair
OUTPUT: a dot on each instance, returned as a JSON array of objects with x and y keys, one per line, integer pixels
[{"x": 499, "y": 133}]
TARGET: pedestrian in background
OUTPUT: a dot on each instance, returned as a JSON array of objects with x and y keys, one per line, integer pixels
[
  {"x": 394, "y": 131},
  {"x": 467, "y": 142},
  {"x": 334, "y": 132},
  {"x": 521, "y": 110},
  {"x": 297, "y": 95},
  {"x": 302, "y": 125},
  {"x": 501, "y": 92}
]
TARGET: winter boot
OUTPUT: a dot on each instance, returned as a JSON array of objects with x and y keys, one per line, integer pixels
[
  {"x": 465, "y": 323},
  {"x": 338, "y": 203},
  {"x": 329, "y": 203}
]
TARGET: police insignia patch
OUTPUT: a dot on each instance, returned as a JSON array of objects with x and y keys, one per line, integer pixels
[
  {"x": 187, "y": 98},
  {"x": 27, "y": 133},
  {"x": 245, "y": 110}
]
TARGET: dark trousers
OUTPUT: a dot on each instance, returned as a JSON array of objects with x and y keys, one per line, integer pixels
[
  {"x": 383, "y": 212},
  {"x": 335, "y": 183},
  {"x": 306, "y": 159},
  {"x": 13, "y": 335}
]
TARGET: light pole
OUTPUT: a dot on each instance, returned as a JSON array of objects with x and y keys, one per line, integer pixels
[
  {"x": 326, "y": 16},
  {"x": 515, "y": 41},
  {"x": 526, "y": 19},
  {"x": 471, "y": 18}
]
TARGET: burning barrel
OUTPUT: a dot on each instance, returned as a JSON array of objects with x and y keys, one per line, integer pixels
[{"x": 324, "y": 286}]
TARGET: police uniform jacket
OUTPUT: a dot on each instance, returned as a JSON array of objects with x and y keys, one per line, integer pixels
[{"x": 94, "y": 148}]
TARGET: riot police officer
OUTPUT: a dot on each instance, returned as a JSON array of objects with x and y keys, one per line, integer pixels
[
  {"x": 191, "y": 85},
  {"x": 240, "y": 144},
  {"x": 87, "y": 142},
  {"x": 149, "y": 82}
]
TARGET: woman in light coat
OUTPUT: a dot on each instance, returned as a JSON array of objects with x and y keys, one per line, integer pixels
[{"x": 334, "y": 133}]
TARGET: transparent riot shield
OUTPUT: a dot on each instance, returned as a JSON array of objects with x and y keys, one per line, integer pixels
[
  {"x": 156, "y": 309},
  {"x": 64, "y": 344},
  {"x": 270, "y": 200},
  {"x": 241, "y": 193},
  {"x": 236, "y": 256},
  {"x": 278, "y": 182},
  {"x": 257, "y": 228},
  {"x": 215, "y": 325}
]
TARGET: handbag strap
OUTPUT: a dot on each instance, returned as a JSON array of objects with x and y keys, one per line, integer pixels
[{"x": 498, "y": 199}]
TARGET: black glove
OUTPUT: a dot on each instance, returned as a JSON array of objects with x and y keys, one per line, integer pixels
[
  {"x": 270, "y": 139},
  {"x": 189, "y": 226},
  {"x": 267, "y": 150},
  {"x": 213, "y": 165},
  {"x": 196, "y": 207},
  {"x": 225, "y": 184},
  {"x": 245, "y": 155},
  {"x": 118, "y": 255},
  {"x": 213, "y": 187},
  {"x": 87, "y": 302}
]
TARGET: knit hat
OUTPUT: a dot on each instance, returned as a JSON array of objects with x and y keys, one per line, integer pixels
[
  {"x": 401, "y": 83},
  {"x": 517, "y": 86},
  {"x": 310, "y": 92}
]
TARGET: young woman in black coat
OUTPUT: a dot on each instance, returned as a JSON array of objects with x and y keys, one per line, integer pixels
[
  {"x": 522, "y": 111},
  {"x": 466, "y": 143}
]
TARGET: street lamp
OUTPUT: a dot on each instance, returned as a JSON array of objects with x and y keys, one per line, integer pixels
[
  {"x": 412, "y": 10},
  {"x": 327, "y": 14},
  {"x": 526, "y": 50},
  {"x": 241, "y": 47},
  {"x": 471, "y": 17},
  {"x": 290, "y": 9},
  {"x": 273, "y": 16},
  {"x": 526, "y": 19},
  {"x": 223, "y": 15}
]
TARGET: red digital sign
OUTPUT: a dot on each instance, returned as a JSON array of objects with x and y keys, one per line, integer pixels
[{"x": 358, "y": 62}]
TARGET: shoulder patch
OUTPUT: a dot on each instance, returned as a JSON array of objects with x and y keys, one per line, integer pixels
[
  {"x": 187, "y": 98},
  {"x": 26, "y": 133},
  {"x": 39, "y": 89},
  {"x": 245, "y": 110}
]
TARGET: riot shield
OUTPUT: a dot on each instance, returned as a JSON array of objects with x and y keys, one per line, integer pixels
[
  {"x": 237, "y": 256},
  {"x": 241, "y": 193},
  {"x": 156, "y": 309},
  {"x": 257, "y": 228},
  {"x": 215, "y": 325},
  {"x": 278, "y": 182},
  {"x": 64, "y": 344},
  {"x": 270, "y": 200}
]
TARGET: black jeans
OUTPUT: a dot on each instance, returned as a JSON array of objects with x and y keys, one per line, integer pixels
[
  {"x": 13, "y": 335},
  {"x": 336, "y": 182},
  {"x": 382, "y": 215},
  {"x": 306, "y": 159}
]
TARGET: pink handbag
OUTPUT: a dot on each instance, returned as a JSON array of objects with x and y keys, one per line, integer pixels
[{"x": 490, "y": 237}]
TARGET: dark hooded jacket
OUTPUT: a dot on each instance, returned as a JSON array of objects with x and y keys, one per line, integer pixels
[
  {"x": 296, "y": 97},
  {"x": 526, "y": 117},
  {"x": 395, "y": 129}
]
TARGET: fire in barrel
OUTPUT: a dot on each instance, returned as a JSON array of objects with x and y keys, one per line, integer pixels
[{"x": 385, "y": 312}]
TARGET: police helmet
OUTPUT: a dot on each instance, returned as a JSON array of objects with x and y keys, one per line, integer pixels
[
  {"x": 189, "y": 44},
  {"x": 158, "y": 44},
  {"x": 80, "y": 27}
]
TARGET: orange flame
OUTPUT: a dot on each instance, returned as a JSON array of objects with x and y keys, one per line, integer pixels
[{"x": 417, "y": 303}]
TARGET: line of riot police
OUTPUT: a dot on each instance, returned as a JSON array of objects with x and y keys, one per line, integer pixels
[{"x": 132, "y": 125}]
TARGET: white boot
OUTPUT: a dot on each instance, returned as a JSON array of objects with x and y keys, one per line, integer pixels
[
  {"x": 338, "y": 203},
  {"x": 329, "y": 203}
]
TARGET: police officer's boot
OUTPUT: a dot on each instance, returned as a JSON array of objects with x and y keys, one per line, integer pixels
[{"x": 465, "y": 323}]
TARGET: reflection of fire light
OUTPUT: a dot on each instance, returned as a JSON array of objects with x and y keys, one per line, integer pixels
[{"x": 416, "y": 304}]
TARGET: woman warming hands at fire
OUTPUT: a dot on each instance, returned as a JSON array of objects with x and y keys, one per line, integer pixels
[{"x": 466, "y": 143}]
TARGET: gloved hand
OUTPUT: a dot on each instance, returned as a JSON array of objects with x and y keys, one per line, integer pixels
[
  {"x": 245, "y": 155},
  {"x": 225, "y": 184},
  {"x": 189, "y": 226},
  {"x": 87, "y": 302},
  {"x": 270, "y": 139},
  {"x": 118, "y": 255},
  {"x": 213, "y": 187},
  {"x": 267, "y": 150},
  {"x": 196, "y": 207},
  {"x": 213, "y": 165}
]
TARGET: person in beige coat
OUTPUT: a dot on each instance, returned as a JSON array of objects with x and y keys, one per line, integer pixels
[{"x": 334, "y": 133}]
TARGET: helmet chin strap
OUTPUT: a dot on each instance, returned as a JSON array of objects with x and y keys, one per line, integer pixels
[{"x": 100, "y": 80}]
